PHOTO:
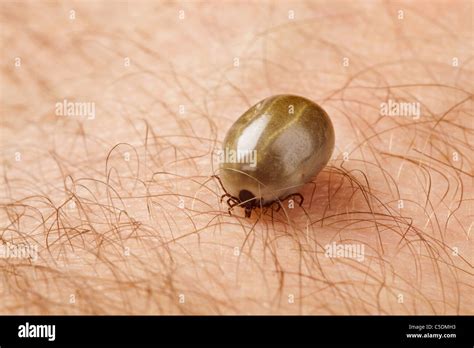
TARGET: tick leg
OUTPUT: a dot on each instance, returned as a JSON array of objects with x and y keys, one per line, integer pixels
[
  {"x": 299, "y": 195},
  {"x": 232, "y": 202},
  {"x": 220, "y": 182},
  {"x": 224, "y": 196},
  {"x": 278, "y": 204}
]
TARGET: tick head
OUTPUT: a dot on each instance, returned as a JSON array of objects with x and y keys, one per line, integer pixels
[{"x": 247, "y": 198}]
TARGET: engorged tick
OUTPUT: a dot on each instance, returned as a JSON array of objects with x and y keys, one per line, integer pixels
[{"x": 272, "y": 150}]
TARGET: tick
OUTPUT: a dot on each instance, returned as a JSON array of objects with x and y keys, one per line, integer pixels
[{"x": 272, "y": 150}]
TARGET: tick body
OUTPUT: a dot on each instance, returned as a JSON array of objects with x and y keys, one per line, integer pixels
[{"x": 273, "y": 149}]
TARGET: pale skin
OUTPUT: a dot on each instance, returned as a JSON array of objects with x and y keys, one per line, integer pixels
[{"x": 119, "y": 201}]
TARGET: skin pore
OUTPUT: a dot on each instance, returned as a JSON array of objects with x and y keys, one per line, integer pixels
[{"x": 112, "y": 113}]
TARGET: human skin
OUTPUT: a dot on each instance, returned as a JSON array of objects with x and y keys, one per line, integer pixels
[{"x": 121, "y": 204}]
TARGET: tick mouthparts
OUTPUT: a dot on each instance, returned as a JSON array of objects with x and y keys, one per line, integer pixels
[{"x": 248, "y": 212}]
